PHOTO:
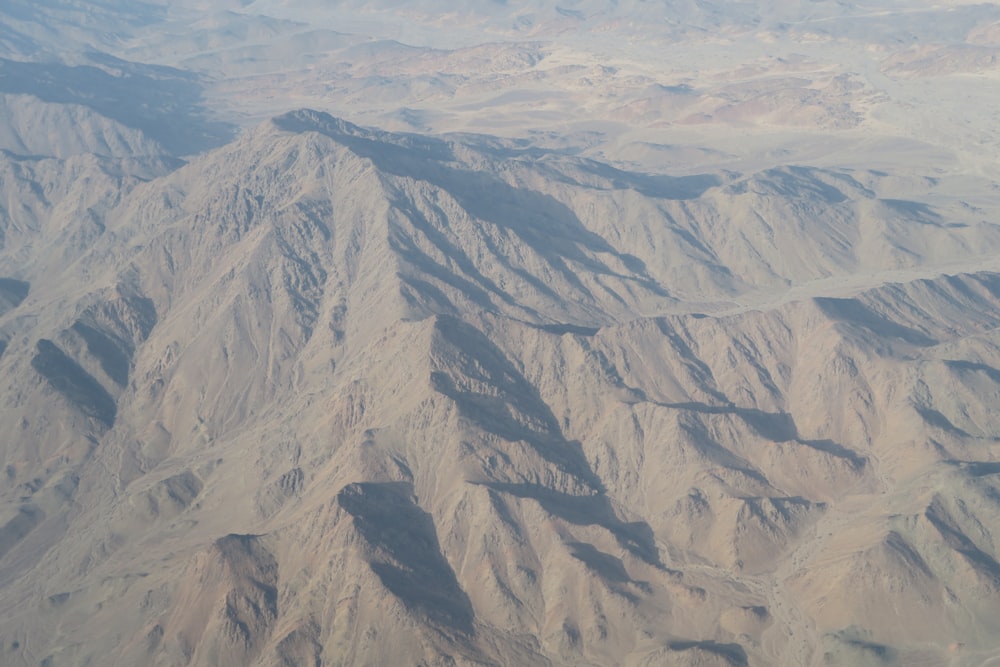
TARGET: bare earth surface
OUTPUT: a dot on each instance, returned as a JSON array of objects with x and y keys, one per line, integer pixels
[{"x": 505, "y": 334}]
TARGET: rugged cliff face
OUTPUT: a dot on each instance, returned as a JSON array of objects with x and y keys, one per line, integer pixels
[{"x": 333, "y": 396}]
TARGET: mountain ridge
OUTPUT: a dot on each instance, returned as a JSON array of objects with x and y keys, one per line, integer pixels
[{"x": 338, "y": 374}]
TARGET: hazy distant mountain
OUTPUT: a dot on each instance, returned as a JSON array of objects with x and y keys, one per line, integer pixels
[{"x": 640, "y": 334}]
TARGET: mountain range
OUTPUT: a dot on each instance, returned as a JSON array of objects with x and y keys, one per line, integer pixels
[{"x": 710, "y": 382}]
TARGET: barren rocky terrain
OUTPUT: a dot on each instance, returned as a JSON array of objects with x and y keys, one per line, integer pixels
[{"x": 582, "y": 334}]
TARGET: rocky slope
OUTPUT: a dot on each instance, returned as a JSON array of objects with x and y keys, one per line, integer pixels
[{"x": 334, "y": 396}]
